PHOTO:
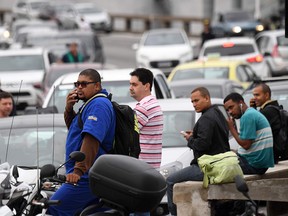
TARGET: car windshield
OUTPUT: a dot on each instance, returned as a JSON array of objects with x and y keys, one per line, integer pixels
[
  {"x": 118, "y": 89},
  {"x": 184, "y": 91},
  {"x": 174, "y": 122},
  {"x": 207, "y": 73},
  {"x": 24, "y": 143},
  {"x": 236, "y": 49},
  {"x": 164, "y": 39},
  {"x": 239, "y": 16},
  {"x": 21, "y": 62},
  {"x": 282, "y": 41},
  {"x": 38, "y": 5},
  {"x": 87, "y": 10}
]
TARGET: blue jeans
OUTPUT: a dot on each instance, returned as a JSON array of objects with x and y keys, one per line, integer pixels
[
  {"x": 73, "y": 199},
  {"x": 190, "y": 173},
  {"x": 248, "y": 169}
]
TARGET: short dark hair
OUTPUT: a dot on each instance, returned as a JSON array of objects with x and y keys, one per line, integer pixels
[
  {"x": 4, "y": 94},
  {"x": 234, "y": 96},
  {"x": 144, "y": 75},
  {"x": 265, "y": 88},
  {"x": 203, "y": 91},
  {"x": 92, "y": 74}
]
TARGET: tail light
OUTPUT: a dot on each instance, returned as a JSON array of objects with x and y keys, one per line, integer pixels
[
  {"x": 275, "y": 52},
  {"x": 255, "y": 59},
  {"x": 228, "y": 44}
]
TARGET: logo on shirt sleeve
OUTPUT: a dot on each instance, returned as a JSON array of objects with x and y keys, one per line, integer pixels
[{"x": 92, "y": 118}]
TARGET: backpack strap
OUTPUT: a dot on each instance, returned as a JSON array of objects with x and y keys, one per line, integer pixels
[{"x": 80, "y": 122}]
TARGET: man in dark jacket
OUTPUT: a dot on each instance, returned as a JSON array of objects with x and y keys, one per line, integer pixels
[
  {"x": 209, "y": 136},
  {"x": 261, "y": 99}
]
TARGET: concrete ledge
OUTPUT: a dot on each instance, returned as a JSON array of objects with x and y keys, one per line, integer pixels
[{"x": 193, "y": 200}]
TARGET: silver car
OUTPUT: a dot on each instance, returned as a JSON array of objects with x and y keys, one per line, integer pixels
[{"x": 274, "y": 47}]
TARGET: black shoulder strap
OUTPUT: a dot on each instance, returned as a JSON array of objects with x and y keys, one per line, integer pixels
[{"x": 80, "y": 122}]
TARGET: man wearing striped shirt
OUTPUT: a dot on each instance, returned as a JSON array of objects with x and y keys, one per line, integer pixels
[{"x": 149, "y": 114}]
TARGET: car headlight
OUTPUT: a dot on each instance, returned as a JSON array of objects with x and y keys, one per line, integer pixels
[
  {"x": 236, "y": 29},
  {"x": 170, "y": 168},
  {"x": 259, "y": 28}
]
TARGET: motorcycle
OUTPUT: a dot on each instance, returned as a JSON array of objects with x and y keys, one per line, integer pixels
[{"x": 23, "y": 199}]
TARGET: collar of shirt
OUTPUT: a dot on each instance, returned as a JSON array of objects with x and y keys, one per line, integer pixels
[
  {"x": 263, "y": 105},
  {"x": 145, "y": 99}
]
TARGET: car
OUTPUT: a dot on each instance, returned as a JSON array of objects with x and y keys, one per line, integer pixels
[
  {"x": 179, "y": 115},
  {"x": 163, "y": 49},
  {"x": 58, "y": 69},
  {"x": 273, "y": 45},
  {"x": 33, "y": 140},
  {"x": 116, "y": 81},
  {"x": 21, "y": 74},
  {"x": 218, "y": 88},
  {"x": 236, "y": 23},
  {"x": 279, "y": 90},
  {"x": 214, "y": 68},
  {"x": 18, "y": 24},
  {"x": 92, "y": 42},
  {"x": 27, "y": 8},
  {"x": 236, "y": 48},
  {"x": 89, "y": 14}
]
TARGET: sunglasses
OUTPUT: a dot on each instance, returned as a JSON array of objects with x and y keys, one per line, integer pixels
[{"x": 83, "y": 84}]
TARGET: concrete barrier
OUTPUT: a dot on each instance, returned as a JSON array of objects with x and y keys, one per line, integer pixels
[{"x": 194, "y": 200}]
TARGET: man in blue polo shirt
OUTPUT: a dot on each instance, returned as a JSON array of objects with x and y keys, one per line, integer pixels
[{"x": 96, "y": 134}]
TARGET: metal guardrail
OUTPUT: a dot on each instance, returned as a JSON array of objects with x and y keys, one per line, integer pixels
[{"x": 141, "y": 23}]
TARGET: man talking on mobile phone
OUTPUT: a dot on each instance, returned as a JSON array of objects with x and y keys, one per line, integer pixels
[{"x": 262, "y": 99}]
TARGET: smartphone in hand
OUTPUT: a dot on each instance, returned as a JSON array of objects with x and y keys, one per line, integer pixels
[{"x": 183, "y": 133}]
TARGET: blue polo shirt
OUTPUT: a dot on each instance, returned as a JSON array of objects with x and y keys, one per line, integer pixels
[{"x": 99, "y": 120}]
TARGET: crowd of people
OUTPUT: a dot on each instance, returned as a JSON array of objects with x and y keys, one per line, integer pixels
[{"x": 256, "y": 137}]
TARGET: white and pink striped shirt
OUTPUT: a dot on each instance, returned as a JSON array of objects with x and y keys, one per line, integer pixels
[{"x": 150, "y": 121}]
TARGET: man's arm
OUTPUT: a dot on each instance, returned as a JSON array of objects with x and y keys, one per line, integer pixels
[
  {"x": 246, "y": 144},
  {"x": 90, "y": 147},
  {"x": 69, "y": 113}
]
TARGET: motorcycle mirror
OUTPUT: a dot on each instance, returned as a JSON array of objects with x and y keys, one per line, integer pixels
[
  {"x": 15, "y": 172},
  {"x": 241, "y": 184},
  {"x": 77, "y": 156},
  {"x": 48, "y": 170}
]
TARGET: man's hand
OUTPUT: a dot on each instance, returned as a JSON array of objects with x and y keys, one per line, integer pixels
[
  {"x": 71, "y": 99},
  {"x": 231, "y": 124},
  {"x": 72, "y": 178},
  {"x": 188, "y": 134},
  {"x": 252, "y": 103}
]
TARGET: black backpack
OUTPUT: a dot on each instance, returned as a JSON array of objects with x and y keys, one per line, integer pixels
[
  {"x": 281, "y": 145},
  {"x": 126, "y": 141}
]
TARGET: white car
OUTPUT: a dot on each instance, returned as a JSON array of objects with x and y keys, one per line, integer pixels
[
  {"x": 274, "y": 47},
  {"x": 163, "y": 49},
  {"x": 116, "y": 81},
  {"x": 89, "y": 15},
  {"x": 236, "y": 48},
  {"x": 21, "y": 73}
]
